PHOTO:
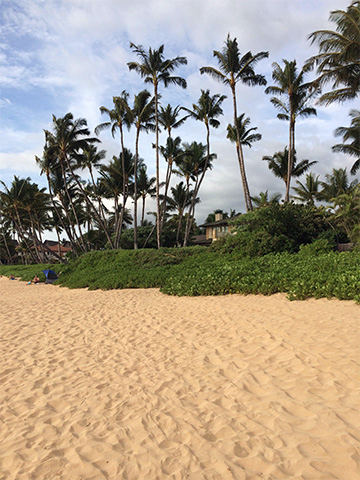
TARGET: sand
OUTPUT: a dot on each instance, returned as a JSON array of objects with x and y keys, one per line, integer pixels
[{"x": 134, "y": 384}]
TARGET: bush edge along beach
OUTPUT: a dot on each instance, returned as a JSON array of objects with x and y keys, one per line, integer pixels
[{"x": 201, "y": 271}]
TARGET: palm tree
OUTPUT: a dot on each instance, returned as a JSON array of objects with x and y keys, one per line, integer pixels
[
  {"x": 194, "y": 164},
  {"x": 168, "y": 118},
  {"x": 347, "y": 213},
  {"x": 308, "y": 192},
  {"x": 27, "y": 208},
  {"x": 181, "y": 199},
  {"x": 155, "y": 69},
  {"x": 146, "y": 188},
  {"x": 350, "y": 133},
  {"x": 119, "y": 117},
  {"x": 246, "y": 137},
  {"x": 172, "y": 152},
  {"x": 278, "y": 164},
  {"x": 91, "y": 159},
  {"x": 263, "y": 199},
  {"x": 336, "y": 184},
  {"x": 143, "y": 113},
  {"x": 206, "y": 110},
  {"x": 64, "y": 147},
  {"x": 338, "y": 60},
  {"x": 292, "y": 98},
  {"x": 114, "y": 178},
  {"x": 234, "y": 69}
]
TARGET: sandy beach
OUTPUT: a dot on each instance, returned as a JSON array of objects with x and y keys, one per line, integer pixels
[{"x": 134, "y": 384}]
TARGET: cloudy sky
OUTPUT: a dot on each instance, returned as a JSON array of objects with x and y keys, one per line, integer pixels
[{"x": 60, "y": 56}]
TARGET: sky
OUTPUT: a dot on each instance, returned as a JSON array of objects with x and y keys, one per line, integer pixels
[{"x": 60, "y": 56}]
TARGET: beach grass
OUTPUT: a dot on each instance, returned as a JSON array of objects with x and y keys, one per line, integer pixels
[{"x": 196, "y": 271}]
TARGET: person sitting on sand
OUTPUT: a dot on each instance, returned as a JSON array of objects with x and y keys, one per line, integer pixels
[
  {"x": 11, "y": 277},
  {"x": 36, "y": 279}
]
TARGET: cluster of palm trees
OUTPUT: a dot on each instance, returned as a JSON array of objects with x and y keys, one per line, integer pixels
[{"x": 94, "y": 213}]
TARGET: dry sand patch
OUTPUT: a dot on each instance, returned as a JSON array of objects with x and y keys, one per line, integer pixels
[{"x": 134, "y": 384}]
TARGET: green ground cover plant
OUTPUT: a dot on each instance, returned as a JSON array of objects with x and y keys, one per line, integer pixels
[{"x": 312, "y": 272}]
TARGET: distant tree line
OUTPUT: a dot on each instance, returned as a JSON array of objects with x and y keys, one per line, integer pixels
[{"x": 96, "y": 213}]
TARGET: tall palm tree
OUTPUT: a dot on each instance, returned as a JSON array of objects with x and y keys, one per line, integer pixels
[
  {"x": 234, "y": 69},
  {"x": 90, "y": 159},
  {"x": 207, "y": 110},
  {"x": 242, "y": 135},
  {"x": 143, "y": 113},
  {"x": 197, "y": 160},
  {"x": 350, "y": 133},
  {"x": 308, "y": 192},
  {"x": 278, "y": 164},
  {"x": 120, "y": 117},
  {"x": 155, "y": 69},
  {"x": 292, "y": 98},
  {"x": 113, "y": 178},
  {"x": 338, "y": 60}
]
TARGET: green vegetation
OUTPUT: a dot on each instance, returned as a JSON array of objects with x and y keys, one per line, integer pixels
[{"x": 312, "y": 272}]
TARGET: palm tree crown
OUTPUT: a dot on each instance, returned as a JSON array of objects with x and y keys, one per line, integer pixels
[
  {"x": 278, "y": 164},
  {"x": 338, "y": 61},
  {"x": 351, "y": 133}
]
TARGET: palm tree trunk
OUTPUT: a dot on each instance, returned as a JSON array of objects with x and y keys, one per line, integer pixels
[
  {"x": 167, "y": 184},
  {"x": 240, "y": 155},
  {"x": 291, "y": 158},
  {"x": 21, "y": 234},
  {"x": 158, "y": 229},
  {"x": 59, "y": 215},
  {"x": 103, "y": 223},
  {"x": 135, "y": 188},
  {"x": 89, "y": 203},
  {"x": 119, "y": 225},
  {"x": 181, "y": 213},
  {"x": 143, "y": 210},
  {"x": 81, "y": 242}
]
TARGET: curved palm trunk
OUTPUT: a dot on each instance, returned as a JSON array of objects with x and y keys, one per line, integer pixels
[
  {"x": 103, "y": 223},
  {"x": 290, "y": 158},
  {"x": 36, "y": 241},
  {"x": 59, "y": 215},
  {"x": 240, "y": 155},
  {"x": 167, "y": 184},
  {"x": 190, "y": 218},
  {"x": 80, "y": 241},
  {"x": 89, "y": 203},
  {"x": 21, "y": 234}
]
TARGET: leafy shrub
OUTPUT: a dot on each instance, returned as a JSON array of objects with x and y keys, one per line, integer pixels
[
  {"x": 200, "y": 271},
  {"x": 275, "y": 228}
]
